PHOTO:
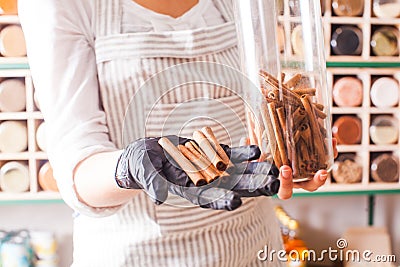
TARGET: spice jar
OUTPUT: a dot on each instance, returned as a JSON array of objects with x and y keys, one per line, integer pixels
[
  {"x": 13, "y": 136},
  {"x": 8, "y": 7},
  {"x": 348, "y": 8},
  {"x": 385, "y": 168},
  {"x": 14, "y": 177},
  {"x": 348, "y": 92},
  {"x": 386, "y": 8},
  {"x": 384, "y": 130},
  {"x": 384, "y": 41},
  {"x": 347, "y": 169},
  {"x": 12, "y": 41},
  {"x": 287, "y": 96},
  {"x": 12, "y": 95},
  {"x": 385, "y": 92},
  {"x": 347, "y": 130},
  {"x": 347, "y": 40}
]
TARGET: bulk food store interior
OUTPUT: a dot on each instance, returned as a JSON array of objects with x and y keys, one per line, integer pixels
[{"x": 357, "y": 209}]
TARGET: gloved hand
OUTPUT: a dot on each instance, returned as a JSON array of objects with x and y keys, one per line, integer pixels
[{"x": 145, "y": 165}]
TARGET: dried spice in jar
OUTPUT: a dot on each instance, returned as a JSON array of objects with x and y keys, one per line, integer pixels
[{"x": 347, "y": 169}]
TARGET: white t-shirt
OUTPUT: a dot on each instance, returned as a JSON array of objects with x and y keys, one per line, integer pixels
[{"x": 60, "y": 42}]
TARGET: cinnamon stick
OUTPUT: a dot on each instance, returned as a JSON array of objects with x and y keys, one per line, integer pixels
[
  {"x": 207, "y": 131},
  {"x": 292, "y": 82},
  {"x": 282, "y": 118},
  {"x": 305, "y": 91},
  {"x": 206, "y": 168},
  {"x": 197, "y": 178},
  {"x": 278, "y": 133},
  {"x": 319, "y": 106},
  {"x": 315, "y": 130},
  {"x": 207, "y": 148},
  {"x": 270, "y": 135}
]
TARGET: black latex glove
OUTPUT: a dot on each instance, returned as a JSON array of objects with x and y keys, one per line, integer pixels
[{"x": 144, "y": 164}]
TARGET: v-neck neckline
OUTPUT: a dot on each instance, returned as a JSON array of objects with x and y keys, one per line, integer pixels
[{"x": 193, "y": 12}]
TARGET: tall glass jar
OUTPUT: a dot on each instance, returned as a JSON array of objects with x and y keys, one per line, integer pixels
[{"x": 287, "y": 94}]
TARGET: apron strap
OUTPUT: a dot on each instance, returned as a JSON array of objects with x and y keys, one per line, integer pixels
[
  {"x": 226, "y": 8},
  {"x": 108, "y": 14}
]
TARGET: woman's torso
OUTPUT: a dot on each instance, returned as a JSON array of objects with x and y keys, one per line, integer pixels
[{"x": 161, "y": 82}]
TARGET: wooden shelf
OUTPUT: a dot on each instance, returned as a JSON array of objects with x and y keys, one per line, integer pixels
[
  {"x": 351, "y": 189},
  {"x": 30, "y": 197}
]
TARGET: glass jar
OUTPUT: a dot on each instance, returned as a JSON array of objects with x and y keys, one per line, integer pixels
[
  {"x": 12, "y": 41},
  {"x": 348, "y": 92},
  {"x": 348, "y": 8},
  {"x": 386, "y": 8},
  {"x": 14, "y": 177},
  {"x": 12, "y": 95},
  {"x": 347, "y": 130},
  {"x": 347, "y": 40},
  {"x": 385, "y": 92},
  {"x": 347, "y": 169},
  {"x": 385, "y": 168},
  {"x": 385, "y": 41},
  {"x": 8, "y": 7},
  {"x": 384, "y": 130},
  {"x": 287, "y": 94}
]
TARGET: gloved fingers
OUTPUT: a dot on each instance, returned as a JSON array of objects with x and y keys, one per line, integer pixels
[
  {"x": 242, "y": 153},
  {"x": 256, "y": 168},
  {"x": 208, "y": 197},
  {"x": 251, "y": 185}
]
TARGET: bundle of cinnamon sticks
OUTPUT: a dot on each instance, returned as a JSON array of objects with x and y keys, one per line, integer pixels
[
  {"x": 293, "y": 125},
  {"x": 203, "y": 160}
]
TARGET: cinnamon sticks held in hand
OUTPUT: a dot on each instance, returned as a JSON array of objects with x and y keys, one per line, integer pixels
[
  {"x": 293, "y": 125},
  {"x": 203, "y": 160}
]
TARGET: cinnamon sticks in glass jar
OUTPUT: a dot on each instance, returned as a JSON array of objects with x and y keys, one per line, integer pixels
[
  {"x": 285, "y": 86},
  {"x": 294, "y": 125}
]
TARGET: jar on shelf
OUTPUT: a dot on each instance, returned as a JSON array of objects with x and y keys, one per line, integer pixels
[
  {"x": 384, "y": 130},
  {"x": 385, "y": 92},
  {"x": 347, "y": 169},
  {"x": 386, "y": 8},
  {"x": 13, "y": 136},
  {"x": 348, "y": 8},
  {"x": 8, "y": 7},
  {"x": 12, "y": 41},
  {"x": 46, "y": 179},
  {"x": 385, "y": 168},
  {"x": 347, "y": 129},
  {"x": 14, "y": 177},
  {"x": 287, "y": 94},
  {"x": 12, "y": 95},
  {"x": 348, "y": 92},
  {"x": 385, "y": 41},
  {"x": 347, "y": 40}
]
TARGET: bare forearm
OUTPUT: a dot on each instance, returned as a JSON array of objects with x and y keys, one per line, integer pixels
[{"x": 95, "y": 183}]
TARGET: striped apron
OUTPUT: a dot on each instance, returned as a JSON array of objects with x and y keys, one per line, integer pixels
[{"x": 153, "y": 84}]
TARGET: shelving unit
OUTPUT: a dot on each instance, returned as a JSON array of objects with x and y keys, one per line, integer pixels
[
  {"x": 11, "y": 67},
  {"x": 32, "y": 156},
  {"x": 363, "y": 67},
  {"x": 366, "y": 23}
]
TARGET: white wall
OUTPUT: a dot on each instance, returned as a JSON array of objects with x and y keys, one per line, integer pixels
[{"x": 323, "y": 219}]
